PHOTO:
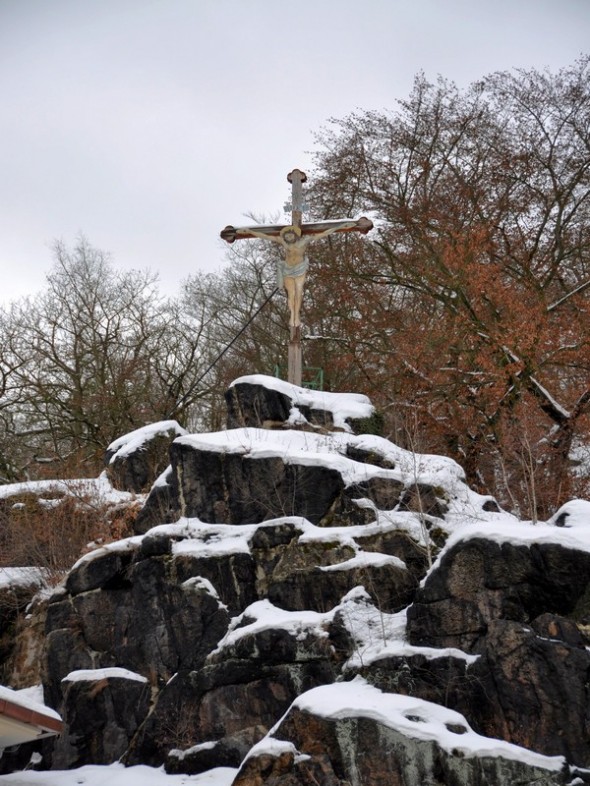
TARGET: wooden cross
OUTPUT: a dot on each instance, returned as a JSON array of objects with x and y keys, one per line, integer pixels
[{"x": 294, "y": 239}]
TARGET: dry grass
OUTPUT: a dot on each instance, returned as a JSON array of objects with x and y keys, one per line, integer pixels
[{"x": 53, "y": 531}]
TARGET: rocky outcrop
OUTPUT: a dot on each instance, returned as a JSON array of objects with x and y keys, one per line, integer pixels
[
  {"x": 521, "y": 606},
  {"x": 141, "y": 614},
  {"x": 248, "y": 475},
  {"x": 276, "y": 613},
  {"x": 135, "y": 460},
  {"x": 244, "y": 476},
  {"x": 160, "y": 606},
  {"x": 234, "y": 698},
  {"x": 351, "y": 733}
]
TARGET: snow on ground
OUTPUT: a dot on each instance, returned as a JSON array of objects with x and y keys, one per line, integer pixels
[
  {"x": 118, "y": 775},
  {"x": 98, "y": 489},
  {"x": 22, "y": 577}
]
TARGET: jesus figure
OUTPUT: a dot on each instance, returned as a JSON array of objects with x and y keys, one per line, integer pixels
[{"x": 293, "y": 268}]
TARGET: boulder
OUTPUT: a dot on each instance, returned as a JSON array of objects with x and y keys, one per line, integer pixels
[
  {"x": 251, "y": 404},
  {"x": 266, "y": 402},
  {"x": 242, "y": 476},
  {"x": 479, "y": 580},
  {"x": 532, "y": 683},
  {"x": 353, "y": 733},
  {"x": 235, "y": 488},
  {"x": 102, "y": 710},
  {"x": 515, "y": 599},
  {"x": 135, "y": 460},
  {"x": 442, "y": 678}
]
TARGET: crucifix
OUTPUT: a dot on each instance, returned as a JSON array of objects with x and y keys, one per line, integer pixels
[{"x": 294, "y": 239}]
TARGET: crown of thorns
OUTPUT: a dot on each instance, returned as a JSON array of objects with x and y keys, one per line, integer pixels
[{"x": 294, "y": 229}]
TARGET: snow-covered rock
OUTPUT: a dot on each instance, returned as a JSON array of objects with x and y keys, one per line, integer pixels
[{"x": 134, "y": 461}]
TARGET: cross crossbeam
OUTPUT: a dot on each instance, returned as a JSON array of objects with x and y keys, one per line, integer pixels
[{"x": 230, "y": 234}]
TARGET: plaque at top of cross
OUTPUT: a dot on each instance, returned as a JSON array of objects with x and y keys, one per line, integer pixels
[{"x": 294, "y": 239}]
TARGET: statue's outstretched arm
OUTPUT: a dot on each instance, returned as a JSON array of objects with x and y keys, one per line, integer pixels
[
  {"x": 331, "y": 230},
  {"x": 255, "y": 233}
]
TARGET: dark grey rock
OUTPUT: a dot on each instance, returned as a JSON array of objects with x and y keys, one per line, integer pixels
[
  {"x": 231, "y": 488},
  {"x": 478, "y": 581},
  {"x": 100, "y": 716},
  {"x": 162, "y": 505},
  {"x": 251, "y": 404},
  {"x": 534, "y": 689},
  {"x": 226, "y": 752},
  {"x": 256, "y": 406},
  {"x": 135, "y": 460},
  {"x": 146, "y": 620}
]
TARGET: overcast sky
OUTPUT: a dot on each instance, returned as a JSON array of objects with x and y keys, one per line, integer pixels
[{"x": 148, "y": 125}]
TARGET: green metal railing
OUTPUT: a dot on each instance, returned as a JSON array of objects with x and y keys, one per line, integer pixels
[{"x": 312, "y": 376}]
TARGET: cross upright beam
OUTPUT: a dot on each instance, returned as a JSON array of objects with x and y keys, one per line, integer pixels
[{"x": 297, "y": 178}]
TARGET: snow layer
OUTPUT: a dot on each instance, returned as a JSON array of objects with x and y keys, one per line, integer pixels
[
  {"x": 118, "y": 775},
  {"x": 22, "y": 577},
  {"x": 263, "y": 615},
  {"x": 136, "y": 440},
  {"x": 98, "y": 489},
  {"x": 569, "y": 527},
  {"x": 114, "y": 672},
  {"x": 24, "y": 699},
  {"x": 375, "y": 633}
]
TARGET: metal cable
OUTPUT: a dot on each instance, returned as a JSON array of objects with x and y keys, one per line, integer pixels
[{"x": 190, "y": 391}]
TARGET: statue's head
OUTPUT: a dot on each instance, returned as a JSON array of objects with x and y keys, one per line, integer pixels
[{"x": 290, "y": 234}]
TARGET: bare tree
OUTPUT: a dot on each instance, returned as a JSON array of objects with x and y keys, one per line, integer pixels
[{"x": 98, "y": 353}]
